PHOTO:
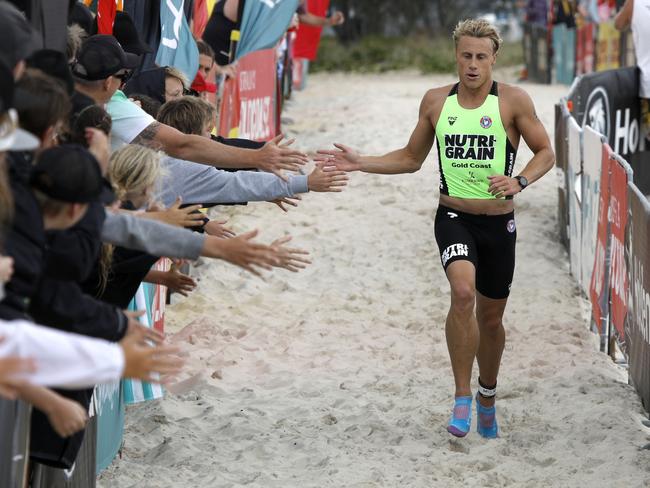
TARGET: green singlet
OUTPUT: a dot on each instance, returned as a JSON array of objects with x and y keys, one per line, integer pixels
[{"x": 472, "y": 145}]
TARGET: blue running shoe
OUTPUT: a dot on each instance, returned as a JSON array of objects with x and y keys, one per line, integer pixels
[
  {"x": 486, "y": 423},
  {"x": 461, "y": 417}
]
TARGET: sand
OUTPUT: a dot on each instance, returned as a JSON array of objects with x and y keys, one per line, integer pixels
[{"x": 339, "y": 376}]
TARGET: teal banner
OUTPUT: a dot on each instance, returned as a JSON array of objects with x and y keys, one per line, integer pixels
[
  {"x": 177, "y": 45},
  {"x": 564, "y": 53},
  {"x": 263, "y": 24}
]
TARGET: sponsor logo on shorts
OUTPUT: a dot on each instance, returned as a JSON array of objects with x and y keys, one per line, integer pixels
[
  {"x": 453, "y": 251},
  {"x": 452, "y": 215},
  {"x": 486, "y": 122},
  {"x": 451, "y": 120},
  {"x": 511, "y": 226}
]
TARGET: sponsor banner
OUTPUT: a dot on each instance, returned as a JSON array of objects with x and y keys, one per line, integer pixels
[
  {"x": 300, "y": 70},
  {"x": 608, "y": 47},
  {"x": 585, "y": 42},
  {"x": 264, "y": 22},
  {"x": 157, "y": 296},
  {"x": 599, "y": 287},
  {"x": 536, "y": 51},
  {"x": 308, "y": 39},
  {"x": 248, "y": 103},
  {"x": 608, "y": 102},
  {"x": 109, "y": 406},
  {"x": 564, "y": 55},
  {"x": 591, "y": 182},
  {"x": 574, "y": 195},
  {"x": 617, "y": 270},
  {"x": 637, "y": 331}
]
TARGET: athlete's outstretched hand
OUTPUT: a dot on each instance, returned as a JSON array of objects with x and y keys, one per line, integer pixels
[
  {"x": 343, "y": 158},
  {"x": 503, "y": 186}
]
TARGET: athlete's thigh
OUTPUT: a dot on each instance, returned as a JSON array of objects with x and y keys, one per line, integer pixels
[
  {"x": 457, "y": 247},
  {"x": 496, "y": 240}
]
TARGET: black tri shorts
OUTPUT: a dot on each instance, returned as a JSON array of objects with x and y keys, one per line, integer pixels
[{"x": 487, "y": 241}]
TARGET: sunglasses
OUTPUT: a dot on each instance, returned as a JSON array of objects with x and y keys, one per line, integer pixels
[{"x": 123, "y": 77}]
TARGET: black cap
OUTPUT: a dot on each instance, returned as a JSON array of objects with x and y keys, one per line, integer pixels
[
  {"x": 101, "y": 56},
  {"x": 127, "y": 34},
  {"x": 55, "y": 64},
  {"x": 17, "y": 38},
  {"x": 69, "y": 173}
]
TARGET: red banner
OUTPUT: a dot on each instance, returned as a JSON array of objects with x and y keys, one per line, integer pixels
[
  {"x": 618, "y": 269},
  {"x": 599, "y": 278},
  {"x": 248, "y": 103},
  {"x": 306, "y": 45},
  {"x": 159, "y": 297},
  {"x": 585, "y": 49}
]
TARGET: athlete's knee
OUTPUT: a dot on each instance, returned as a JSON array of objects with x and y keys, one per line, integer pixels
[
  {"x": 490, "y": 325},
  {"x": 463, "y": 296}
]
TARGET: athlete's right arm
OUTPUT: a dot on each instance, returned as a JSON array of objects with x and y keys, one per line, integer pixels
[{"x": 405, "y": 160}]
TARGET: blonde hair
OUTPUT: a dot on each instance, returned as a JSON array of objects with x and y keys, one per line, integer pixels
[
  {"x": 478, "y": 28},
  {"x": 133, "y": 169},
  {"x": 171, "y": 72}
]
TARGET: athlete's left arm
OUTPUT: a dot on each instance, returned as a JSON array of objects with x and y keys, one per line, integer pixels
[{"x": 534, "y": 133}]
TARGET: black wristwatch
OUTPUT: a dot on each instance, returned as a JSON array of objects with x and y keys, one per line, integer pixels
[{"x": 523, "y": 182}]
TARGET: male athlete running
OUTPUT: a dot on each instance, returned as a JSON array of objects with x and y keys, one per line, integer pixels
[{"x": 476, "y": 125}]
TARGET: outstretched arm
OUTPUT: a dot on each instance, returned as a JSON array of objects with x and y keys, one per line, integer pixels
[
  {"x": 534, "y": 133},
  {"x": 406, "y": 160}
]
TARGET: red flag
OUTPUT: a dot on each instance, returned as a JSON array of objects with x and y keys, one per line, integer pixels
[{"x": 106, "y": 10}]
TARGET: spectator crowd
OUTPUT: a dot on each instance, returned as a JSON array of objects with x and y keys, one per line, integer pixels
[{"x": 105, "y": 168}]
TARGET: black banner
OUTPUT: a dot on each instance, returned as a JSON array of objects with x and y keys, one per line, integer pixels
[
  {"x": 637, "y": 323},
  {"x": 536, "y": 53},
  {"x": 608, "y": 102}
]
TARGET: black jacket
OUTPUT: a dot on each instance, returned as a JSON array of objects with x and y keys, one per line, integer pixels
[{"x": 25, "y": 240}]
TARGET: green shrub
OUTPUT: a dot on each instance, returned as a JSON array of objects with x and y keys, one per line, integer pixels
[{"x": 375, "y": 54}]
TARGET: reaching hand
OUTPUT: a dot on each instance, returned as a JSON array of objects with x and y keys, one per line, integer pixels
[
  {"x": 182, "y": 217},
  {"x": 345, "y": 159},
  {"x": 242, "y": 251},
  {"x": 275, "y": 157},
  {"x": 139, "y": 331},
  {"x": 281, "y": 202},
  {"x": 144, "y": 362},
  {"x": 289, "y": 258},
  {"x": 66, "y": 416},
  {"x": 179, "y": 282},
  {"x": 218, "y": 229},
  {"x": 322, "y": 180}
]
